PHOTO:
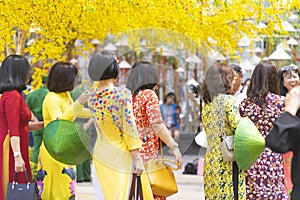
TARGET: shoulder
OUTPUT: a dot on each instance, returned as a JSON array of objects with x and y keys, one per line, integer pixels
[
  {"x": 275, "y": 98},
  {"x": 121, "y": 91},
  {"x": 13, "y": 94},
  {"x": 52, "y": 96},
  {"x": 149, "y": 93}
]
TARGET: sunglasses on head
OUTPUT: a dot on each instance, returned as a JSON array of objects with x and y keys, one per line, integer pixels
[{"x": 289, "y": 67}]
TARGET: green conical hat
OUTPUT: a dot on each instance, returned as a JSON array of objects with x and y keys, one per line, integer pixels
[
  {"x": 67, "y": 142},
  {"x": 248, "y": 143}
]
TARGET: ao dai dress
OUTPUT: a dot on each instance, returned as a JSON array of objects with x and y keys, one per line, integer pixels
[
  {"x": 58, "y": 186},
  {"x": 117, "y": 136}
]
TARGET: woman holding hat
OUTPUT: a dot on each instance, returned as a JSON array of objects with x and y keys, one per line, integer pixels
[
  {"x": 58, "y": 104},
  {"x": 116, "y": 152}
]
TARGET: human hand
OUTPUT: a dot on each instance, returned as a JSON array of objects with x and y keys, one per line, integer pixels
[
  {"x": 19, "y": 164},
  {"x": 138, "y": 167},
  {"x": 178, "y": 156},
  {"x": 82, "y": 98},
  {"x": 86, "y": 126},
  {"x": 34, "y": 126},
  {"x": 292, "y": 101},
  {"x": 138, "y": 164}
]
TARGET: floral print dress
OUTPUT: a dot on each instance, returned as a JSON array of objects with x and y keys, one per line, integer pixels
[
  {"x": 147, "y": 111},
  {"x": 220, "y": 117},
  {"x": 265, "y": 178}
]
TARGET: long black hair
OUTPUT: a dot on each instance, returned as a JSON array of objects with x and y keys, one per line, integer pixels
[{"x": 14, "y": 72}]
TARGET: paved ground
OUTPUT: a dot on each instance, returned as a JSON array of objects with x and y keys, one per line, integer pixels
[{"x": 190, "y": 186}]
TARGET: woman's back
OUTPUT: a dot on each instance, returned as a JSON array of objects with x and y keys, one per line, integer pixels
[{"x": 265, "y": 178}]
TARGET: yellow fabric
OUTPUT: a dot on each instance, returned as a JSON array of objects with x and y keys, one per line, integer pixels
[
  {"x": 5, "y": 178},
  {"x": 220, "y": 117},
  {"x": 117, "y": 135},
  {"x": 58, "y": 106}
]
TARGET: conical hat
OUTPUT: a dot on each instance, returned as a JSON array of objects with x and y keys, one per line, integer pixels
[
  {"x": 67, "y": 142},
  {"x": 248, "y": 143}
]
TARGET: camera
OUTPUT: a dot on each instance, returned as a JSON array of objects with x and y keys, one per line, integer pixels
[{"x": 195, "y": 89}]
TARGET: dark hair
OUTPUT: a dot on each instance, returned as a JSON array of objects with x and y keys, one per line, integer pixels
[
  {"x": 218, "y": 80},
  {"x": 61, "y": 77},
  {"x": 143, "y": 75},
  {"x": 14, "y": 72},
  {"x": 103, "y": 66},
  {"x": 170, "y": 94},
  {"x": 263, "y": 80},
  {"x": 237, "y": 68},
  {"x": 283, "y": 73}
]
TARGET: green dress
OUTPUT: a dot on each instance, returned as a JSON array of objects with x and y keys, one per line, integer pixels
[
  {"x": 34, "y": 101},
  {"x": 220, "y": 117}
]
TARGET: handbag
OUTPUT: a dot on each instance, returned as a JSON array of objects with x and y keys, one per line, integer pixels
[
  {"x": 136, "y": 192},
  {"x": 227, "y": 148},
  {"x": 201, "y": 139},
  {"x": 160, "y": 174},
  {"x": 24, "y": 191}
]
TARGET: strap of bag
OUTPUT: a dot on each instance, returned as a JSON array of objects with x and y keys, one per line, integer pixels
[
  {"x": 136, "y": 190},
  {"x": 235, "y": 179},
  {"x": 141, "y": 114},
  {"x": 165, "y": 161},
  {"x": 16, "y": 177},
  {"x": 132, "y": 188},
  {"x": 139, "y": 189}
]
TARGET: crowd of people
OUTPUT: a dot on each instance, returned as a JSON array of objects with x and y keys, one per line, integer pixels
[{"x": 130, "y": 122}]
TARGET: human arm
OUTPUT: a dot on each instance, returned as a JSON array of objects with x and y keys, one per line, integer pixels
[
  {"x": 129, "y": 129},
  {"x": 34, "y": 126},
  {"x": 53, "y": 104},
  {"x": 283, "y": 136},
  {"x": 231, "y": 113},
  {"x": 163, "y": 133},
  {"x": 195, "y": 100},
  {"x": 154, "y": 116},
  {"x": 87, "y": 125},
  {"x": 13, "y": 108}
]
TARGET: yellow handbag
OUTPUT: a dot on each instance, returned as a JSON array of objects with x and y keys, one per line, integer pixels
[{"x": 161, "y": 177}]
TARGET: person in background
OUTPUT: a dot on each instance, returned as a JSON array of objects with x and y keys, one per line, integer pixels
[
  {"x": 237, "y": 92},
  {"x": 143, "y": 81},
  {"x": 220, "y": 116},
  {"x": 169, "y": 114},
  {"x": 265, "y": 178},
  {"x": 34, "y": 100},
  {"x": 246, "y": 85},
  {"x": 14, "y": 121},
  {"x": 285, "y": 136},
  {"x": 58, "y": 104},
  {"x": 288, "y": 79}
]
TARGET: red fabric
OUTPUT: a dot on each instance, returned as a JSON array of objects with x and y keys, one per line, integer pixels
[
  {"x": 146, "y": 111},
  {"x": 14, "y": 116}
]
